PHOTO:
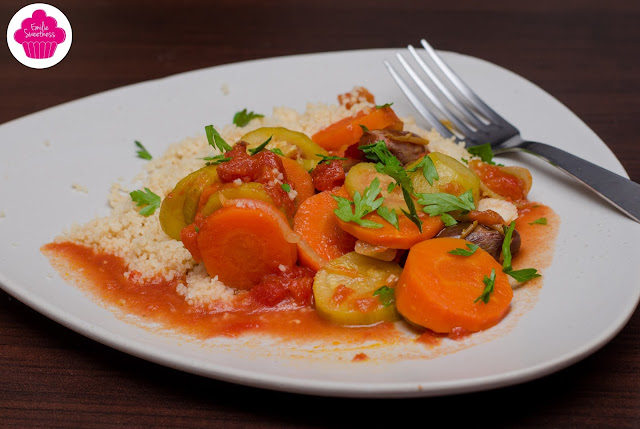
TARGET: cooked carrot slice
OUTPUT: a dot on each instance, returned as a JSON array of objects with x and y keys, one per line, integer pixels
[
  {"x": 388, "y": 236},
  {"x": 243, "y": 242},
  {"x": 342, "y": 134},
  {"x": 441, "y": 291},
  {"x": 299, "y": 178},
  {"x": 317, "y": 225}
]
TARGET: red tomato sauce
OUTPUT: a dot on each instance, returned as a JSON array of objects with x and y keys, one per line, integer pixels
[
  {"x": 328, "y": 175},
  {"x": 430, "y": 338},
  {"x": 158, "y": 301},
  {"x": 291, "y": 317},
  {"x": 360, "y": 357},
  {"x": 505, "y": 184},
  {"x": 264, "y": 168}
]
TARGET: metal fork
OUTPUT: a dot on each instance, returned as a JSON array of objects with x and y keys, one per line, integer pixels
[{"x": 471, "y": 120}]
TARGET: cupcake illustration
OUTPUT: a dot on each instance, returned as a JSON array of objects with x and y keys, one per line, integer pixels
[{"x": 39, "y": 35}]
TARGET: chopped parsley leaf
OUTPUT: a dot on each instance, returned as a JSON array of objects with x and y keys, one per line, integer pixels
[
  {"x": 522, "y": 275},
  {"x": 483, "y": 151},
  {"x": 217, "y": 159},
  {"x": 386, "y": 295},
  {"x": 506, "y": 247},
  {"x": 464, "y": 252},
  {"x": 327, "y": 159},
  {"x": 540, "y": 221},
  {"x": 441, "y": 202},
  {"x": 447, "y": 219},
  {"x": 388, "y": 164},
  {"x": 215, "y": 139},
  {"x": 142, "y": 152},
  {"x": 377, "y": 151},
  {"x": 391, "y": 187},
  {"x": 412, "y": 214},
  {"x": 363, "y": 205},
  {"x": 489, "y": 283},
  {"x": 147, "y": 200},
  {"x": 286, "y": 187},
  {"x": 243, "y": 117},
  {"x": 389, "y": 215},
  {"x": 258, "y": 149},
  {"x": 428, "y": 169}
]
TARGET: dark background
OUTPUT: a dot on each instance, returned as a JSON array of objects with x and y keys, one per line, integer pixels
[{"x": 585, "y": 53}]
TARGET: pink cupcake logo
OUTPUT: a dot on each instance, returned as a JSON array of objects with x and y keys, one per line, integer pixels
[{"x": 39, "y": 35}]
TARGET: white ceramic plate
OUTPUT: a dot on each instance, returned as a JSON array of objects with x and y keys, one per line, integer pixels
[{"x": 589, "y": 292}]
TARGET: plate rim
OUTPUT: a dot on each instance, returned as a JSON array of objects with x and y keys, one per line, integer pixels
[{"x": 328, "y": 388}]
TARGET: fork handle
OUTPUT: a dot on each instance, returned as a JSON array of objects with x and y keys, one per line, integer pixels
[{"x": 623, "y": 193}]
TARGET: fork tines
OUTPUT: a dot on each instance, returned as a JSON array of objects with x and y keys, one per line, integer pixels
[{"x": 453, "y": 108}]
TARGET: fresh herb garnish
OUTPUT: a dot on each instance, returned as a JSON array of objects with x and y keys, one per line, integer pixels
[
  {"x": 217, "y": 159},
  {"x": 243, "y": 117},
  {"x": 286, "y": 187},
  {"x": 215, "y": 139},
  {"x": 363, "y": 205},
  {"x": 428, "y": 169},
  {"x": 447, "y": 219},
  {"x": 142, "y": 152},
  {"x": 441, "y": 202},
  {"x": 376, "y": 151},
  {"x": 364, "y": 128},
  {"x": 147, "y": 200},
  {"x": 327, "y": 159},
  {"x": 389, "y": 215},
  {"x": 522, "y": 275},
  {"x": 387, "y": 163},
  {"x": 412, "y": 214},
  {"x": 489, "y": 283},
  {"x": 539, "y": 221},
  {"x": 506, "y": 247},
  {"x": 464, "y": 252},
  {"x": 483, "y": 151},
  {"x": 259, "y": 148},
  {"x": 386, "y": 295},
  {"x": 384, "y": 105},
  {"x": 277, "y": 151}
]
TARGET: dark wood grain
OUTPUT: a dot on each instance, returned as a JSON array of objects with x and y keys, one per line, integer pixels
[{"x": 585, "y": 53}]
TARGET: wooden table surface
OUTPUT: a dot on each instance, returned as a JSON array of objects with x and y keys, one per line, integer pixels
[{"x": 585, "y": 53}]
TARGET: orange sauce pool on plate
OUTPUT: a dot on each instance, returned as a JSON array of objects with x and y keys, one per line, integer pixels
[{"x": 158, "y": 301}]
